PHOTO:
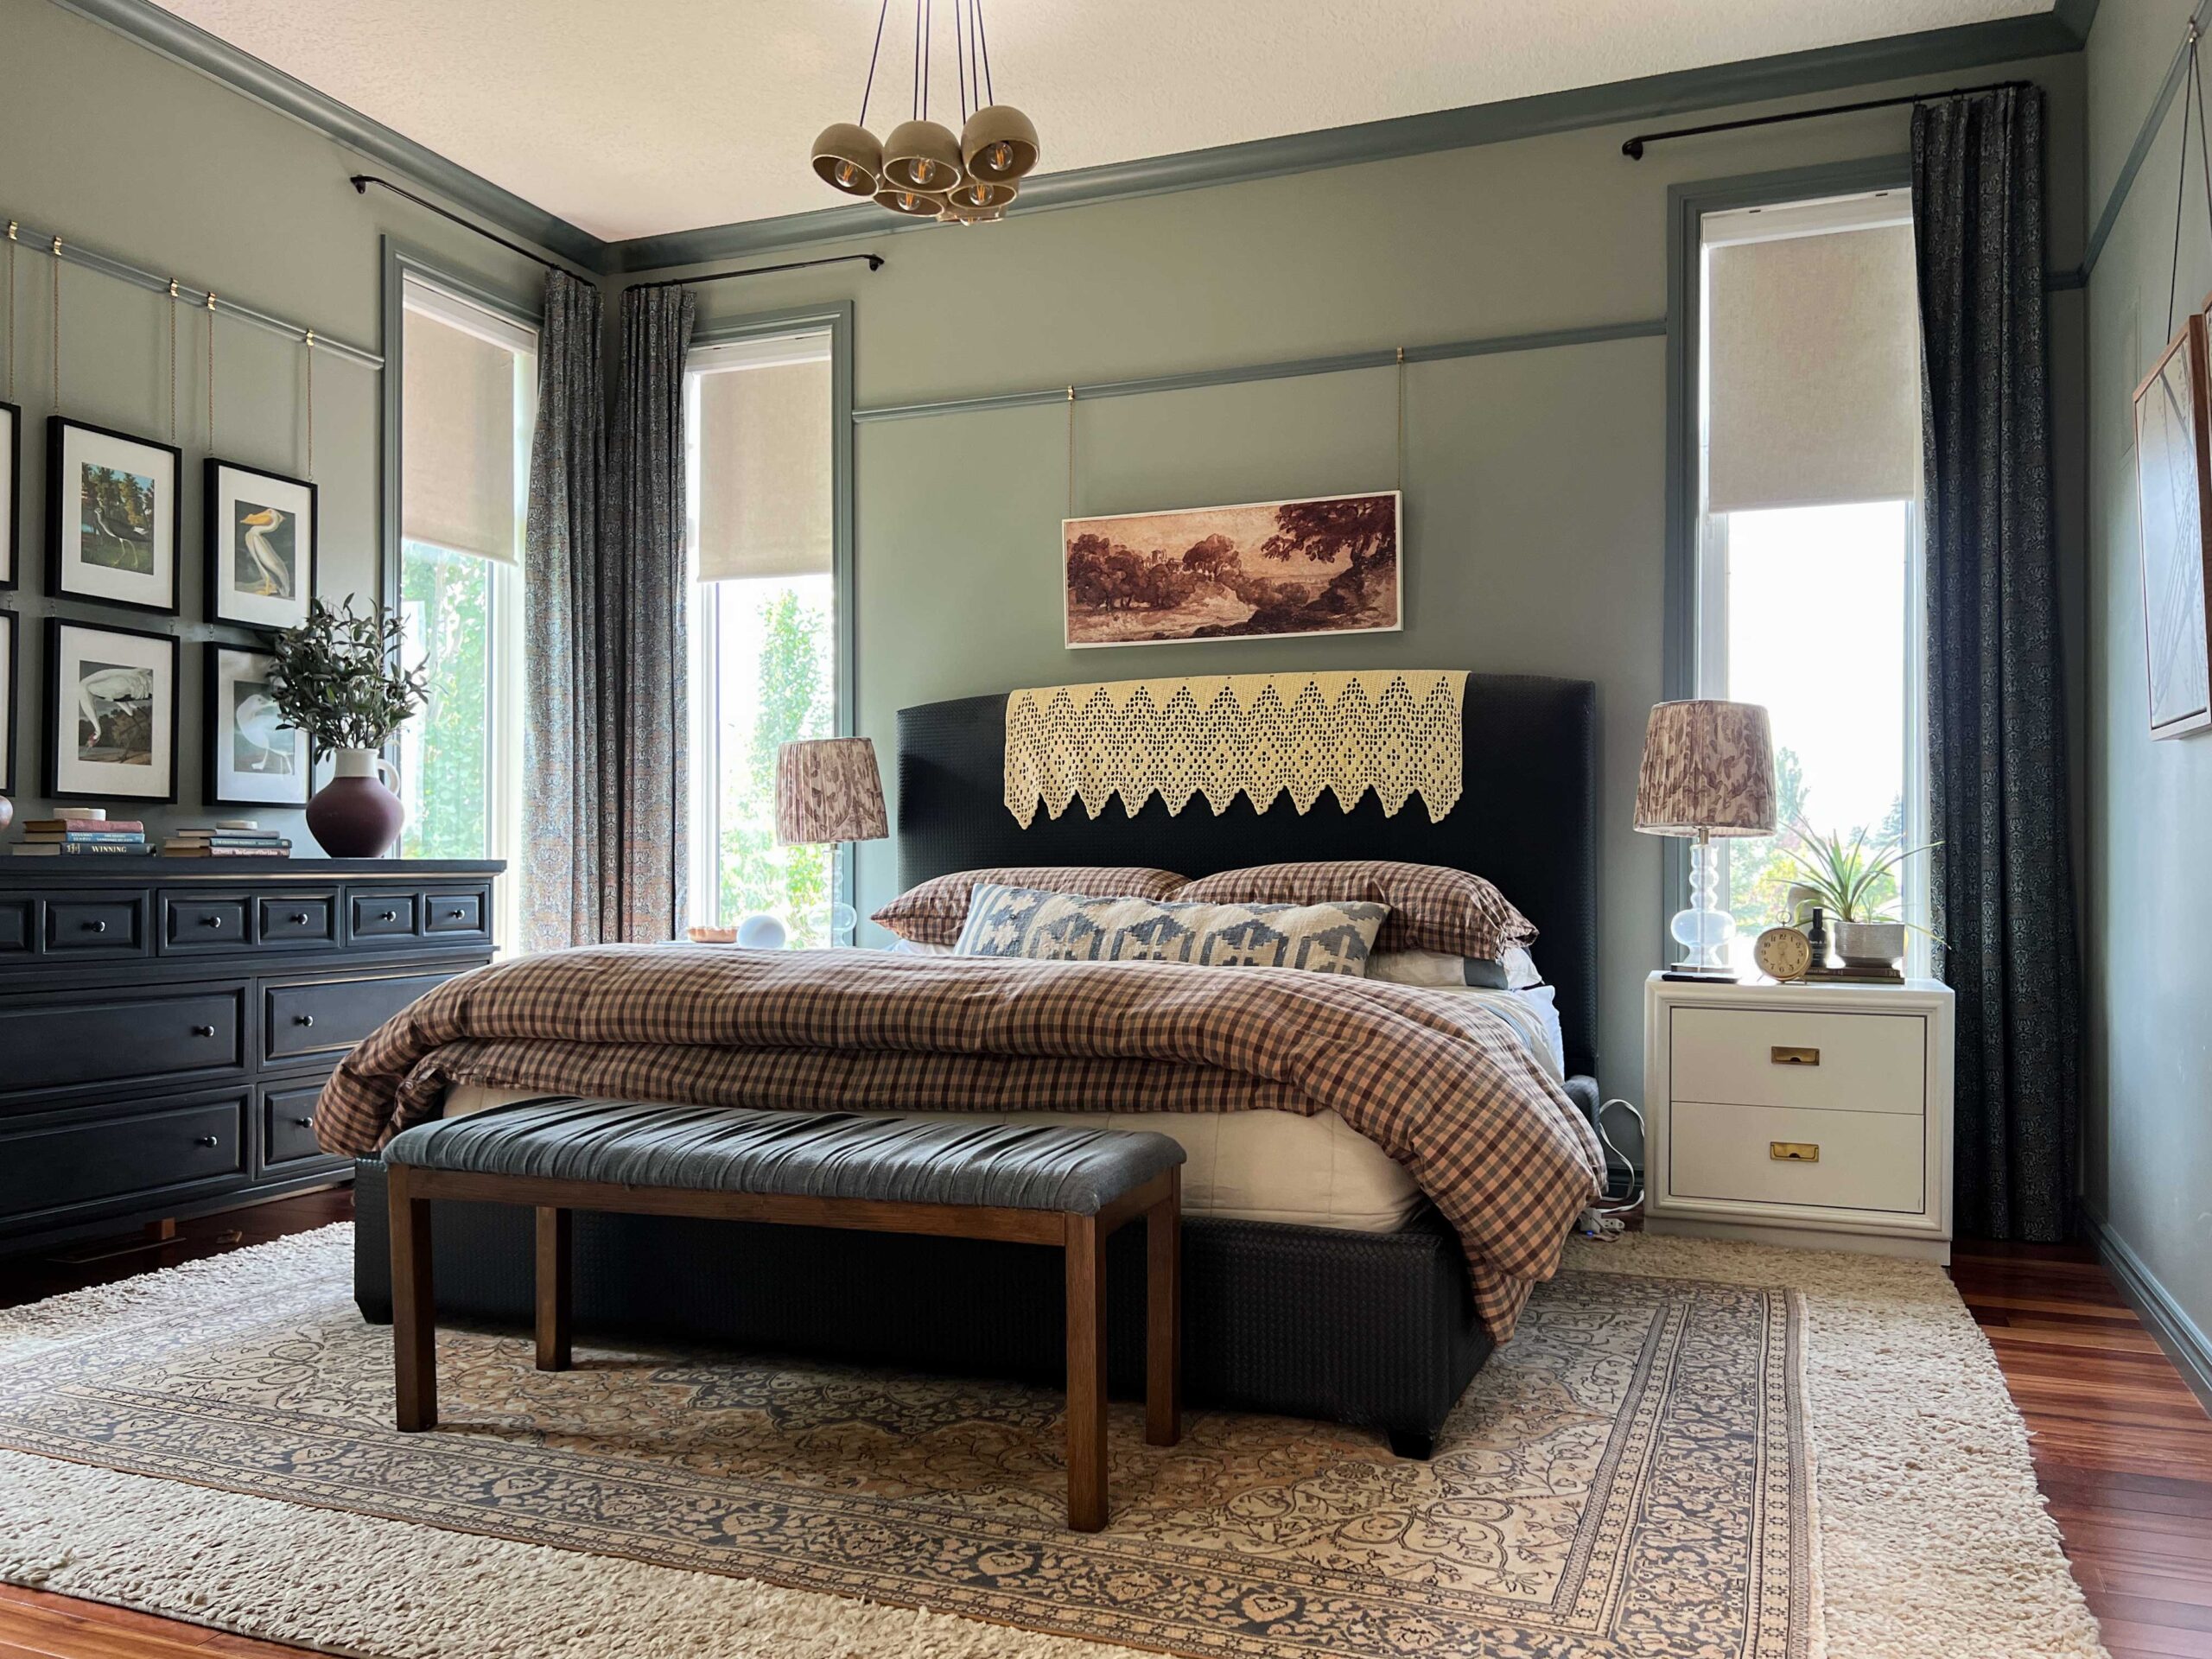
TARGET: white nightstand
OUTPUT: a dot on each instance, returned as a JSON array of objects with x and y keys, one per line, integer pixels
[{"x": 1813, "y": 1115}]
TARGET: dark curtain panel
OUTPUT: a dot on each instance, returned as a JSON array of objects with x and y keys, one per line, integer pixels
[
  {"x": 570, "y": 836},
  {"x": 1998, "y": 792},
  {"x": 643, "y": 702}
]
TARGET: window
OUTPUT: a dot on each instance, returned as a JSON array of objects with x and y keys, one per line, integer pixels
[
  {"x": 468, "y": 399},
  {"x": 1809, "y": 534},
  {"x": 760, "y": 517}
]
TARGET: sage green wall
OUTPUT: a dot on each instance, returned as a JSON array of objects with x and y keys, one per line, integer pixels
[
  {"x": 2149, "y": 1139},
  {"x": 1536, "y": 483},
  {"x": 181, "y": 175}
]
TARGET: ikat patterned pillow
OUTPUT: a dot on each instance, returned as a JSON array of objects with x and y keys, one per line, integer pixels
[{"x": 1333, "y": 938}]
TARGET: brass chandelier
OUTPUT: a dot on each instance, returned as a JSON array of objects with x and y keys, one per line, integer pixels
[{"x": 923, "y": 170}]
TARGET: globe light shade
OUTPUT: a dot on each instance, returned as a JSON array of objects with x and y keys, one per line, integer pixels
[
  {"x": 912, "y": 204},
  {"x": 921, "y": 155},
  {"x": 975, "y": 196},
  {"x": 999, "y": 143},
  {"x": 847, "y": 158}
]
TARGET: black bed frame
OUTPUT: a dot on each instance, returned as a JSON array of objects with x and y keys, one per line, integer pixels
[{"x": 1364, "y": 1328}]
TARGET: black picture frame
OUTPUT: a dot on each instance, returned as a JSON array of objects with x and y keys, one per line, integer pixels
[
  {"x": 58, "y": 721},
  {"x": 11, "y": 657},
  {"x": 12, "y": 531},
  {"x": 221, "y": 600},
  {"x": 215, "y": 729},
  {"x": 57, "y": 516}
]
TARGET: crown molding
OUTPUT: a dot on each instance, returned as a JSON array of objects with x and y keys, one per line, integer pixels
[
  {"x": 194, "y": 48},
  {"x": 1790, "y": 74}
]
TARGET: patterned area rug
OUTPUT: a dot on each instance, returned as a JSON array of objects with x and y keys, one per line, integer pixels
[{"x": 1630, "y": 1476}]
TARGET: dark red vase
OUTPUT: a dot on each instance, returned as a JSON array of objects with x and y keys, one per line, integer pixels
[{"x": 354, "y": 816}]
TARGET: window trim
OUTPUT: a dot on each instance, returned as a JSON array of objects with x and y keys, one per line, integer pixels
[
  {"x": 1687, "y": 206},
  {"x": 835, "y": 319}
]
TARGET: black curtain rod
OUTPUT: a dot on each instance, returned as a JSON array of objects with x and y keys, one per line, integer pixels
[
  {"x": 1633, "y": 149},
  {"x": 874, "y": 262},
  {"x": 361, "y": 182}
]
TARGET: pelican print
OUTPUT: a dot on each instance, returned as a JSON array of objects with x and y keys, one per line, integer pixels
[
  {"x": 276, "y": 570},
  {"x": 105, "y": 691}
]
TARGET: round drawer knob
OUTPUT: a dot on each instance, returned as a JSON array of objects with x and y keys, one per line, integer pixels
[
  {"x": 299, "y": 919},
  {"x": 96, "y": 927},
  {"x": 455, "y": 915},
  {"x": 205, "y": 1141},
  {"x": 203, "y": 1031},
  {"x": 211, "y": 921},
  {"x": 389, "y": 915},
  {"x": 303, "y": 1019},
  {"x": 303, "y": 1123}
]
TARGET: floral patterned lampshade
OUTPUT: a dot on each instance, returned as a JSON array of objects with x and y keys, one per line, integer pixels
[
  {"x": 1708, "y": 767},
  {"x": 828, "y": 790}
]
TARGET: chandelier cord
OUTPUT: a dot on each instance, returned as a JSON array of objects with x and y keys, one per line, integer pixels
[
  {"x": 990, "y": 87},
  {"x": 960, "y": 59},
  {"x": 914, "y": 91},
  {"x": 876, "y": 52}
]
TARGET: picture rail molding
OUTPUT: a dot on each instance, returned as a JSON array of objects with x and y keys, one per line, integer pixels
[
  {"x": 59, "y": 246},
  {"x": 1386, "y": 357}
]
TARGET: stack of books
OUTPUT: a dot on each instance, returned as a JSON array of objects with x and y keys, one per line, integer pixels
[
  {"x": 231, "y": 838},
  {"x": 87, "y": 829}
]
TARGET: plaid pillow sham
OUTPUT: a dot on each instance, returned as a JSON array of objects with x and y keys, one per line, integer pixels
[
  {"x": 1432, "y": 908},
  {"x": 934, "y": 912}
]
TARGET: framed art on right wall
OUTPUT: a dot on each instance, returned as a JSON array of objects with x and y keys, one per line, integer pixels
[
  {"x": 11, "y": 494},
  {"x": 9, "y": 655},
  {"x": 2173, "y": 485}
]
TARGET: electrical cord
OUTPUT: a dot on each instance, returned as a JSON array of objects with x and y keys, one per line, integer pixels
[{"x": 1600, "y": 1220}]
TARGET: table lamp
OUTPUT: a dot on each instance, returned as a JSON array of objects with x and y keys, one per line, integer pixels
[
  {"x": 828, "y": 791},
  {"x": 1708, "y": 770}
]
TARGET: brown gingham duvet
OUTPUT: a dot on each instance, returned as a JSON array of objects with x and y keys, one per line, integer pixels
[{"x": 1442, "y": 1085}]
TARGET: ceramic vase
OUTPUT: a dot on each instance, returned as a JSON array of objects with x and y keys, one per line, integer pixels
[
  {"x": 354, "y": 814},
  {"x": 1869, "y": 944}
]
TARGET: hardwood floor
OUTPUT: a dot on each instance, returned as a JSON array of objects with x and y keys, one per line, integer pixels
[{"x": 2123, "y": 1451}]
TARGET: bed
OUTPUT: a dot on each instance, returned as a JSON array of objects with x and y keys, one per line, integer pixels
[{"x": 1350, "y": 1301}]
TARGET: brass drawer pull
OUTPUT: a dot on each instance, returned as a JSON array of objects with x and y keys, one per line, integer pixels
[
  {"x": 1794, "y": 1152},
  {"x": 1793, "y": 1056}
]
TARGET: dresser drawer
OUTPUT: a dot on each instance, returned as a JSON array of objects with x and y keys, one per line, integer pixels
[
  {"x": 147, "y": 1151},
  {"x": 194, "y": 926},
  {"x": 1829, "y": 1062},
  {"x": 106, "y": 926},
  {"x": 458, "y": 915},
  {"x": 1847, "y": 1160},
  {"x": 301, "y": 922},
  {"x": 287, "y": 1123},
  {"x": 331, "y": 1016},
  {"x": 89, "y": 1039},
  {"x": 15, "y": 930},
  {"x": 384, "y": 915}
]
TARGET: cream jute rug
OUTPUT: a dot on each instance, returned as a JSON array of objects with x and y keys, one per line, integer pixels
[{"x": 1634, "y": 1476}]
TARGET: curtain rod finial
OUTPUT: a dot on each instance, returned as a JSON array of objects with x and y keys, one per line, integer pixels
[
  {"x": 360, "y": 183},
  {"x": 875, "y": 262},
  {"x": 1633, "y": 150}
]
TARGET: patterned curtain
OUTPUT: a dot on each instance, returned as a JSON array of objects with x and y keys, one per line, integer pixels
[
  {"x": 643, "y": 712},
  {"x": 568, "y": 877},
  {"x": 1998, "y": 793}
]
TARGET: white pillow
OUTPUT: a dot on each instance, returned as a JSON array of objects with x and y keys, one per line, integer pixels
[{"x": 1516, "y": 971}]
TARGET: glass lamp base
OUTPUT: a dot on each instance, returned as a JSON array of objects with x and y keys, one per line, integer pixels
[
  {"x": 835, "y": 922},
  {"x": 1704, "y": 931}
]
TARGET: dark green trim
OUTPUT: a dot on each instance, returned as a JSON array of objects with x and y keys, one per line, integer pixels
[
  {"x": 2140, "y": 152},
  {"x": 1382, "y": 358},
  {"x": 182, "y": 43},
  {"x": 1787, "y": 75},
  {"x": 2167, "y": 1320}
]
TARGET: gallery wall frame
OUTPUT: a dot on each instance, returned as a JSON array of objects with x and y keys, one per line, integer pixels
[
  {"x": 261, "y": 531},
  {"x": 11, "y": 495},
  {"x": 248, "y": 758},
  {"x": 114, "y": 533},
  {"x": 11, "y": 657},
  {"x": 123, "y": 682},
  {"x": 2173, "y": 484}
]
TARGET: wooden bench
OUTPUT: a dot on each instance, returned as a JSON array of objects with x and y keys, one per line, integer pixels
[{"x": 1067, "y": 1186}]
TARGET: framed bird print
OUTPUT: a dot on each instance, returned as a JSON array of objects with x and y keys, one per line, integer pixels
[
  {"x": 11, "y": 494},
  {"x": 2173, "y": 483},
  {"x": 253, "y": 759},
  {"x": 111, "y": 713},
  {"x": 111, "y": 516},
  {"x": 261, "y": 546}
]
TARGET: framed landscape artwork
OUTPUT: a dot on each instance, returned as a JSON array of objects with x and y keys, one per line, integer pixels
[
  {"x": 10, "y": 654},
  {"x": 252, "y": 758},
  {"x": 11, "y": 494},
  {"x": 111, "y": 713},
  {"x": 1262, "y": 570},
  {"x": 111, "y": 516},
  {"x": 261, "y": 546},
  {"x": 2173, "y": 479}
]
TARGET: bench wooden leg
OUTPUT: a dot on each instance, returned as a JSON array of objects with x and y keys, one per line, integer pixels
[
  {"x": 1086, "y": 1275},
  {"x": 1163, "y": 1383},
  {"x": 414, "y": 1309},
  {"x": 553, "y": 1287}
]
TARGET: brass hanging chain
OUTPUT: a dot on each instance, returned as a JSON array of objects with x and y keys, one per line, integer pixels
[
  {"x": 310, "y": 344},
  {"x": 1401, "y": 419},
  {"x": 12, "y": 228},
  {"x": 55, "y": 367},
  {"x": 172, "y": 359},
  {"x": 1071, "y": 452},
  {"x": 211, "y": 371}
]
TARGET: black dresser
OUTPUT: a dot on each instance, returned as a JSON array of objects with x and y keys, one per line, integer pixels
[{"x": 166, "y": 1024}]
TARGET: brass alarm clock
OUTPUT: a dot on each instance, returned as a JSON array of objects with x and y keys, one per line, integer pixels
[{"x": 1783, "y": 953}]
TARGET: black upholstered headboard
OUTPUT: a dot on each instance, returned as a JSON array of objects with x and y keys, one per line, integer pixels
[{"x": 1526, "y": 820}]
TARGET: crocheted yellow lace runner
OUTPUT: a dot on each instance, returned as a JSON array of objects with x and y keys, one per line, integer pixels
[{"x": 1394, "y": 731}]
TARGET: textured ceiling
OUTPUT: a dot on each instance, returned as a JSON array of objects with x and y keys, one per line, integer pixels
[{"x": 632, "y": 117}]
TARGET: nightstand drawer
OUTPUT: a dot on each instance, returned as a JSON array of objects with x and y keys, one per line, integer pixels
[
  {"x": 1827, "y": 1062},
  {"x": 1764, "y": 1154}
]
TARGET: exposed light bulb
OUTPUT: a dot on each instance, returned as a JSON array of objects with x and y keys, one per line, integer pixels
[
  {"x": 1001, "y": 157},
  {"x": 924, "y": 170},
  {"x": 847, "y": 172}
]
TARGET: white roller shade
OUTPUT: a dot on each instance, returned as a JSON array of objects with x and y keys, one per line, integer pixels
[
  {"x": 1813, "y": 368},
  {"x": 764, "y": 448},
  {"x": 457, "y": 438}
]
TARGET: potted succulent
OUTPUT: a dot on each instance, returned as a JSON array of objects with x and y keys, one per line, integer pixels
[
  {"x": 337, "y": 678},
  {"x": 1856, "y": 885}
]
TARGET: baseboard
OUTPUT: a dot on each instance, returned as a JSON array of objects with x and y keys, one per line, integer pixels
[{"x": 2188, "y": 1346}]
